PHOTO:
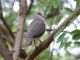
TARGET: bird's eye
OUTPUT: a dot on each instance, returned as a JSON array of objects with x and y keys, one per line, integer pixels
[{"x": 39, "y": 14}]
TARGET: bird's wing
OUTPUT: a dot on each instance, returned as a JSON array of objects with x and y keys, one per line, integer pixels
[{"x": 36, "y": 28}]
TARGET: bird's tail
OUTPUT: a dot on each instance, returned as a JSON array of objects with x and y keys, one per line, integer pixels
[{"x": 29, "y": 41}]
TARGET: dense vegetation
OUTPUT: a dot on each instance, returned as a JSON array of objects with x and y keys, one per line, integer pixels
[{"x": 62, "y": 22}]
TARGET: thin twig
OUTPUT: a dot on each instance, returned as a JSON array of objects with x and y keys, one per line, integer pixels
[{"x": 30, "y": 6}]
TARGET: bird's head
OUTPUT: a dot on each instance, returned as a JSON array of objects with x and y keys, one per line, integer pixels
[{"x": 40, "y": 15}]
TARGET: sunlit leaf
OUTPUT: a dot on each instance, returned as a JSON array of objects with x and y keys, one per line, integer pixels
[
  {"x": 56, "y": 3},
  {"x": 78, "y": 4},
  {"x": 76, "y": 34},
  {"x": 68, "y": 44},
  {"x": 64, "y": 43},
  {"x": 61, "y": 37},
  {"x": 68, "y": 10}
]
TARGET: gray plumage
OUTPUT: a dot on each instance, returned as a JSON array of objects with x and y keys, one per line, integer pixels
[{"x": 35, "y": 29}]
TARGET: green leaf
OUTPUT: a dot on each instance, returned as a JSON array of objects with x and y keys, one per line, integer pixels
[
  {"x": 68, "y": 10},
  {"x": 68, "y": 44},
  {"x": 77, "y": 43},
  {"x": 64, "y": 43},
  {"x": 59, "y": 18},
  {"x": 11, "y": 17},
  {"x": 77, "y": 3},
  {"x": 56, "y": 3},
  {"x": 61, "y": 37},
  {"x": 75, "y": 34}
]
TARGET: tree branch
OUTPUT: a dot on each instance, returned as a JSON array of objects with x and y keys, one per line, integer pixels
[
  {"x": 47, "y": 42},
  {"x": 30, "y": 6},
  {"x": 22, "y": 17},
  {"x": 6, "y": 29},
  {"x": 4, "y": 49},
  {"x": 3, "y": 20}
]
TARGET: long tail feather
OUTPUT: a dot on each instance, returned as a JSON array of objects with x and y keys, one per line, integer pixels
[{"x": 29, "y": 41}]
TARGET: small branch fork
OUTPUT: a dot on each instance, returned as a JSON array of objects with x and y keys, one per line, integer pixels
[{"x": 6, "y": 29}]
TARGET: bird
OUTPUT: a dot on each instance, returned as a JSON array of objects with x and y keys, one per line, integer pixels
[{"x": 36, "y": 29}]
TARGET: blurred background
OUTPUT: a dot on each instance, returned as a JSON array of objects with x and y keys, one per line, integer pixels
[{"x": 66, "y": 45}]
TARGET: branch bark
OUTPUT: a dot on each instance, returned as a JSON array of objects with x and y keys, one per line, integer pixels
[
  {"x": 6, "y": 29},
  {"x": 47, "y": 42},
  {"x": 4, "y": 49},
  {"x": 22, "y": 17}
]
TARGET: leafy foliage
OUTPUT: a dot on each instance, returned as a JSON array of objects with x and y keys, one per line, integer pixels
[
  {"x": 76, "y": 34},
  {"x": 54, "y": 11},
  {"x": 78, "y": 4}
]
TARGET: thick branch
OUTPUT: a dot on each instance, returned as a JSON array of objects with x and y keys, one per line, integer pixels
[
  {"x": 8, "y": 32},
  {"x": 4, "y": 49},
  {"x": 47, "y": 42},
  {"x": 22, "y": 17},
  {"x": 11, "y": 41}
]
